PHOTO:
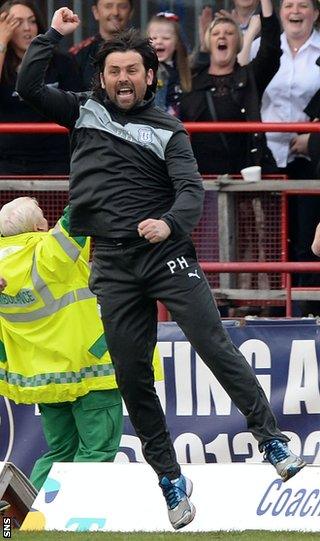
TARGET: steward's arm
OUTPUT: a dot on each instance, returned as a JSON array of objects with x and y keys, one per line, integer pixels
[
  {"x": 58, "y": 252},
  {"x": 55, "y": 104},
  {"x": 182, "y": 168}
]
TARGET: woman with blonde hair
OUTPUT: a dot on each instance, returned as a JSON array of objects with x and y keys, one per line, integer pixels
[{"x": 226, "y": 91}]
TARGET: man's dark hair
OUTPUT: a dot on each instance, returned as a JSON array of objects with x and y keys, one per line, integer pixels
[{"x": 127, "y": 40}]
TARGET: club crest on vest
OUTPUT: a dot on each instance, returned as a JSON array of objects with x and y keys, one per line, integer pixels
[{"x": 145, "y": 136}]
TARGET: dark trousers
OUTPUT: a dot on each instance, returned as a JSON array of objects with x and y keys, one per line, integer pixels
[{"x": 128, "y": 280}]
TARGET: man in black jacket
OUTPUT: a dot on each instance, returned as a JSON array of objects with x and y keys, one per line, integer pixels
[{"x": 135, "y": 187}]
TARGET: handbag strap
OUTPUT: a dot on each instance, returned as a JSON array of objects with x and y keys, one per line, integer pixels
[{"x": 214, "y": 117}]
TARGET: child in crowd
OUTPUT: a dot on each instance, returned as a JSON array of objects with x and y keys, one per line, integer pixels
[{"x": 174, "y": 74}]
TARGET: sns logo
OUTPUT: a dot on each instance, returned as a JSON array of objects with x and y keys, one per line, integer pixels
[
  {"x": 6, "y": 527},
  {"x": 6, "y": 429}
]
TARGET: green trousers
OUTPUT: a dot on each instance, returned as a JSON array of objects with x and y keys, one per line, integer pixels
[{"x": 86, "y": 430}]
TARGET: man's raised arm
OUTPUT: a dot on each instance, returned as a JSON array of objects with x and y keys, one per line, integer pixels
[{"x": 57, "y": 105}]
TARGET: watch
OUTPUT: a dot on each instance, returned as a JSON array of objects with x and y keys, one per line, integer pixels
[{"x": 3, "y": 48}]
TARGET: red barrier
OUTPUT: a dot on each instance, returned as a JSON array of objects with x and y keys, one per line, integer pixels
[
  {"x": 191, "y": 127},
  {"x": 253, "y": 266},
  {"x": 30, "y": 127},
  {"x": 244, "y": 127},
  {"x": 264, "y": 266},
  {"x": 281, "y": 266},
  {"x": 196, "y": 127}
]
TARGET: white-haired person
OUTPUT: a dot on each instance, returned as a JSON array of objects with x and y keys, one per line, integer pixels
[{"x": 53, "y": 350}]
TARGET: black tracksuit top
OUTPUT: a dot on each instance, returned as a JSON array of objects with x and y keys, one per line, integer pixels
[{"x": 126, "y": 166}]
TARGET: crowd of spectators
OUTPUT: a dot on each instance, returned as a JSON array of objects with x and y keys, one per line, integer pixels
[
  {"x": 22, "y": 154},
  {"x": 243, "y": 71},
  {"x": 285, "y": 100},
  {"x": 224, "y": 90}
]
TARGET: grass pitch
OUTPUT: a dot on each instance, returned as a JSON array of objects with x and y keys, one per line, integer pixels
[{"x": 249, "y": 535}]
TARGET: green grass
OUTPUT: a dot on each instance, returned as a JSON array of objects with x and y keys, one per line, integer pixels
[{"x": 248, "y": 535}]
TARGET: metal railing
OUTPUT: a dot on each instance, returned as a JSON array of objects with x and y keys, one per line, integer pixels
[
  {"x": 288, "y": 188},
  {"x": 191, "y": 127}
]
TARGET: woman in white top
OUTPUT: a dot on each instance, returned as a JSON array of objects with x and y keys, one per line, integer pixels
[
  {"x": 298, "y": 77},
  {"x": 284, "y": 100}
]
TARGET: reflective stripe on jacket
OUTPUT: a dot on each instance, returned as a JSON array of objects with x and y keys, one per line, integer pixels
[{"x": 52, "y": 345}]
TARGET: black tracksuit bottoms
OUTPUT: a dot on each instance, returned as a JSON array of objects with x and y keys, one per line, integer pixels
[{"x": 128, "y": 278}]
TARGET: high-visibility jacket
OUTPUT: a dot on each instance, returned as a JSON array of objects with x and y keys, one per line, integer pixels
[{"x": 52, "y": 344}]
